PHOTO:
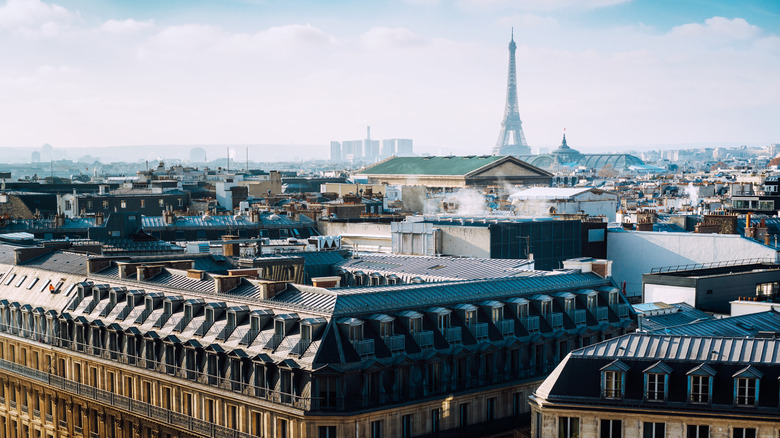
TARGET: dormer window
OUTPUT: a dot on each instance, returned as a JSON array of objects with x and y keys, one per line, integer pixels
[
  {"x": 471, "y": 317},
  {"x": 657, "y": 381},
  {"x": 306, "y": 333},
  {"x": 522, "y": 310},
  {"x": 746, "y": 392},
  {"x": 386, "y": 329},
  {"x": 279, "y": 328},
  {"x": 700, "y": 384},
  {"x": 443, "y": 321},
  {"x": 497, "y": 314},
  {"x": 592, "y": 303},
  {"x": 613, "y": 298},
  {"x": 546, "y": 305},
  {"x": 613, "y": 379},
  {"x": 167, "y": 308},
  {"x": 569, "y": 305},
  {"x": 415, "y": 325},
  {"x": 746, "y": 386},
  {"x": 356, "y": 332}
]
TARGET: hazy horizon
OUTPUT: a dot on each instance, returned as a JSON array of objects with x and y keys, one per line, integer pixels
[{"x": 615, "y": 73}]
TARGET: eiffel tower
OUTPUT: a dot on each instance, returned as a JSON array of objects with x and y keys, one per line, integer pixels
[{"x": 511, "y": 140}]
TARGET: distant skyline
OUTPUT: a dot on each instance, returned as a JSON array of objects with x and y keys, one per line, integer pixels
[{"x": 93, "y": 73}]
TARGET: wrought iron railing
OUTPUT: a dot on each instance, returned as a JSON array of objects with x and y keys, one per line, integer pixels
[{"x": 453, "y": 335}]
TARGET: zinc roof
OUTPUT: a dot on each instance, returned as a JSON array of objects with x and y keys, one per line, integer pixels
[
  {"x": 388, "y": 298},
  {"x": 743, "y": 325},
  {"x": 647, "y": 346},
  {"x": 436, "y": 268},
  {"x": 451, "y": 165}
]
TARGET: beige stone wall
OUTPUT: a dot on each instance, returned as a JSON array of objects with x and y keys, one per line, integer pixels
[{"x": 465, "y": 241}]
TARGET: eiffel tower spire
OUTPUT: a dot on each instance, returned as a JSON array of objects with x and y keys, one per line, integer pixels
[{"x": 511, "y": 140}]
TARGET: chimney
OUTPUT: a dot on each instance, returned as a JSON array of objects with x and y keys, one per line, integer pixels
[
  {"x": 225, "y": 283},
  {"x": 59, "y": 220},
  {"x": 269, "y": 289},
  {"x": 102, "y": 189},
  {"x": 230, "y": 249},
  {"x": 254, "y": 216},
  {"x": 145, "y": 272},
  {"x": 326, "y": 281},
  {"x": 195, "y": 273},
  {"x": 98, "y": 219},
  {"x": 22, "y": 255}
]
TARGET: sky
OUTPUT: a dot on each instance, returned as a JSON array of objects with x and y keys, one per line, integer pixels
[{"x": 616, "y": 74}]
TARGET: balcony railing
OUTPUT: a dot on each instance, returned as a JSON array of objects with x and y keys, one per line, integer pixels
[
  {"x": 578, "y": 316},
  {"x": 395, "y": 343},
  {"x": 555, "y": 320},
  {"x": 622, "y": 310},
  {"x": 453, "y": 335},
  {"x": 507, "y": 327},
  {"x": 531, "y": 323},
  {"x": 364, "y": 347},
  {"x": 480, "y": 330},
  {"x": 301, "y": 347},
  {"x": 602, "y": 313},
  {"x": 424, "y": 339}
]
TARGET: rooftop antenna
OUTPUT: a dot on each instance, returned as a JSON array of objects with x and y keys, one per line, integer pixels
[
  {"x": 247, "y": 158},
  {"x": 227, "y": 152}
]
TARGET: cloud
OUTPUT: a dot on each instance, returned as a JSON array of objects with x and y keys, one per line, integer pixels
[
  {"x": 387, "y": 37},
  {"x": 35, "y": 19},
  {"x": 539, "y": 5},
  {"x": 183, "y": 40},
  {"x": 128, "y": 26},
  {"x": 25, "y": 13},
  {"x": 720, "y": 28}
]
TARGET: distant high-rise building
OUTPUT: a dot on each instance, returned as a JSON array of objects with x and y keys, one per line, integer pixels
[
  {"x": 370, "y": 147},
  {"x": 400, "y": 147},
  {"x": 388, "y": 148},
  {"x": 404, "y": 147},
  {"x": 335, "y": 151},
  {"x": 36, "y": 157},
  {"x": 352, "y": 150},
  {"x": 511, "y": 140}
]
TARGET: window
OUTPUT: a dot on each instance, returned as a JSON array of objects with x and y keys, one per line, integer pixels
[
  {"x": 306, "y": 333},
  {"x": 327, "y": 432},
  {"x": 744, "y": 432},
  {"x": 123, "y": 203},
  {"x": 161, "y": 202},
  {"x": 613, "y": 384},
  {"x": 143, "y": 203},
  {"x": 105, "y": 205},
  {"x": 386, "y": 329},
  {"x": 471, "y": 317},
  {"x": 490, "y": 408},
  {"x": 180, "y": 201},
  {"x": 281, "y": 428},
  {"x": 700, "y": 389},
  {"x": 443, "y": 322},
  {"x": 654, "y": 430},
  {"x": 656, "y": 384},
  {"x": 356, "y": 332},
  {"x": 568, "y": 427},
  {"x": 464, "y": 415},
  {"x": 415, "y": 325},
  {"x": 406, "y": 426},
  {"x": 746, "y": 391},
  {"x": 496, "y": 314},
  {"x": 611, "y": 428},
  {"x": 435, "y": 419},
  {"x": 376, "y": 429},
  {"x": 698, "y": 431},
  {"x": 517, "y": 403}
]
